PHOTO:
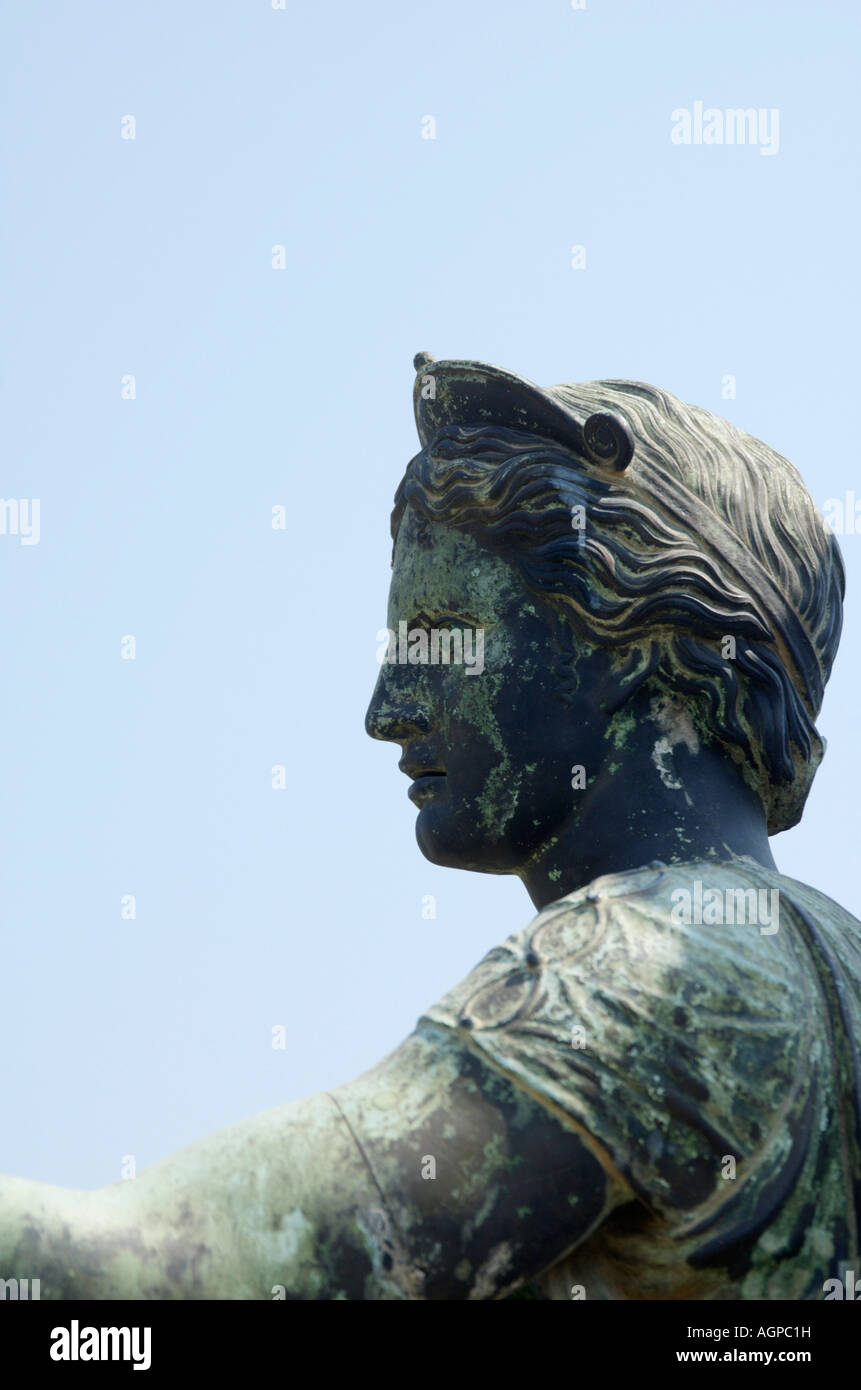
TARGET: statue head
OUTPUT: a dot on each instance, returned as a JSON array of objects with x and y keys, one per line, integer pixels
[{"x": 635, "y": 574}]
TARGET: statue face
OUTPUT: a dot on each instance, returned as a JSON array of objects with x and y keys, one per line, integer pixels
[{"x": 491, "y": 753}]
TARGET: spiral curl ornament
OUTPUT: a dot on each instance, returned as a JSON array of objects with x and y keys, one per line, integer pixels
[{"x": 608, "y": 440}]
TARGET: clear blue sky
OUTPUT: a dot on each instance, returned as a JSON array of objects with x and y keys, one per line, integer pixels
[{"x": 151, "y": 257}]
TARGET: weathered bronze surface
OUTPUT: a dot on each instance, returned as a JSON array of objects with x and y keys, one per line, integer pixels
[{"x": 612, "y": 617}]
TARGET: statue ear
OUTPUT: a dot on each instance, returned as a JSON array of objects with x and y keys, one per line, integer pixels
[{"x": 628, "y": 679}]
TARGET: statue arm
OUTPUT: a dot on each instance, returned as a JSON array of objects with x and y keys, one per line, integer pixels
[
  {"x": 431, "y": 1177},
  {"x": 275, "y": 1200}
]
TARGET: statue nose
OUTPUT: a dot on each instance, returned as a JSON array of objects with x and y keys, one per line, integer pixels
[{"x": 394, "y": 720}]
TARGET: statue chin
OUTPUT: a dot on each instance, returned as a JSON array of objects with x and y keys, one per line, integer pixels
[
  {"x": 438, "y": 840},
  {"x": 448, "y": 844}
]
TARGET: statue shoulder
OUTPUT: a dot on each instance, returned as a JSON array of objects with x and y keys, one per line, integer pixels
[
  {"x": 648, "y": 931},
  {"x": 681, "y": 1017}
]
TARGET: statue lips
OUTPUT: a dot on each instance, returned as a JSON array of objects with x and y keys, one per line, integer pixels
[{"x": 426, "y": 780}]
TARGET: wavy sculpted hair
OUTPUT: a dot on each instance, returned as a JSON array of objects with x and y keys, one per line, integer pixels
[{"x": 637, "y": 580}]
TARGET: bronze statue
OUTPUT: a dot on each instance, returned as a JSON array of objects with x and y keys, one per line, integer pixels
[{"x": 612, "y": 618}]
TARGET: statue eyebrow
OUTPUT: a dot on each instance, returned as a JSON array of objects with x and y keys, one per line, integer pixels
[{"x": 446, "y": 615}]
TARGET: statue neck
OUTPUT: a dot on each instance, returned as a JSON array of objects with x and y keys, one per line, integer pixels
[{"x": 678, "y": 801}]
